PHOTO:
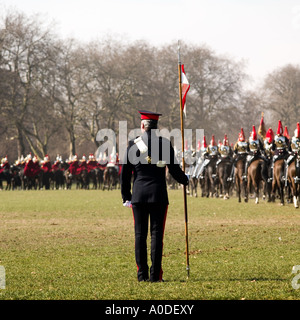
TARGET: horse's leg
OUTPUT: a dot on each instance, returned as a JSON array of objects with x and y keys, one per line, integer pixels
[
  {"x": 238, "y": 187},
  {"x": 281, "y": 193},
  {"x": 257, "y": 192},
  {"x": 256, "y": 189},
  {"x": 196, "y": 186},
  {"x": 295, "y": 193},
  {"x": 247, "y": 186},
  {"x": 273, "y": 190}
]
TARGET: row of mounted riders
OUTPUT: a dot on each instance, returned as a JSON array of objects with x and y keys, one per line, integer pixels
[
  {"x": 270, "y": 164},
  {"x": 61, "y": 175}
]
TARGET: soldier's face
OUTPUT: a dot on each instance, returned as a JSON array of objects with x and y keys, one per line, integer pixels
[{"x": 142, "y": 127}]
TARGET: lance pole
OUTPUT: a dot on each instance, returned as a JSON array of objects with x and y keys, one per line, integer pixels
[{"x": 183, "y": 165}]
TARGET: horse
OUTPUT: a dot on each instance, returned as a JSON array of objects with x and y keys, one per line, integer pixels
[
  {"x": 84, "y": 178},
  {"x": 277, "y": 183},
  {"x": 58, "y": 178},
  {"x": 6, "y": 176},
  {"x": 193, "y": 181},
  {"x": 223, "y": 172},
  {"x": 239, "y": 181},
  {"x": 193, "y": 184},
  {"x": 92, "y": 176},
  {"x": 210, "y": 177},
  {"x": 99, "y": 176},
  {"x": 70, "y": 178},
  {"x": 171, "y": 182},
  {"x": 110, "y": 177},
  {"x": 294, "y": 179},
  {"x": 46, "y": 178},
  {"x": 16, "y": 179},
  {"x": 266, "y": 183},
  {"x": 254, "y": 177}
]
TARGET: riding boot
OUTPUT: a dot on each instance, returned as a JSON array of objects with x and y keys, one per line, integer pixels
[
  {"x": 272, "y": 172},
  {"x": 297, "y": 178},
  {"x": 245, "y": 173},
  {"x": 231, "y": 177},
  {"x": 285, "y": 174}
]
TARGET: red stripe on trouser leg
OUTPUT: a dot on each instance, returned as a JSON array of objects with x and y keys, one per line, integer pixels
[
  {"x": 165, "y": 218},
  {"x": 134, "y": 242}
]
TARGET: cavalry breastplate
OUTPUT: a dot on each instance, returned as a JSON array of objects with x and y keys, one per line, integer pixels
[
  {"x": 213, "y": 150},
  {"x": 295, "y": 145},
  {"x": 268, "y": 147},
  {"x": 253, "y": 145},
  {"x": 242, "y": 147},
  {"x": 224, "y": 151},
  {"x": 280, "y": 142}
]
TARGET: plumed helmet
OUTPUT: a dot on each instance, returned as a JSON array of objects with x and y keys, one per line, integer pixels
[
  {"x": 279, "y": 128},
  {"x": 242, "y": 135}
]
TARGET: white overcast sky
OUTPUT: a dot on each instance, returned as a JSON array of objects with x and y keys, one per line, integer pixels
[{"x": 264, "y": 33}]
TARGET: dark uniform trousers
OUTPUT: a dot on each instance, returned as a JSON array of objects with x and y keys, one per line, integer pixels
[{"x": 158, "y": 215}]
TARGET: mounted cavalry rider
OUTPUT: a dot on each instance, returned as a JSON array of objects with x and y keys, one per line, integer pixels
[
  {"x": 294, "y": 151},
  {"x": 224, "y": 151},
  {"x": 203, "y": 160},
  {"x": 255, "y": 149},
  {"x": 267, "y": 152},
  {"x": 4, "y": 165},
  {"x": 212, "y": 151},
  {"x": 280, "y": 144},
  {"x": 280, "y": 147},
  {"x": 240, "y": 149}
]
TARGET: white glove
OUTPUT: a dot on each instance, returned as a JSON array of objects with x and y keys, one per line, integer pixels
[{"x": 127, "y": 204}]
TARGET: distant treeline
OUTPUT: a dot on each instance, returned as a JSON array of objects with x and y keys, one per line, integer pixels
[{"x": 58, "y": 93}]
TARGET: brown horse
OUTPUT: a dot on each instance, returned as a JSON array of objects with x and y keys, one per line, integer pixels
[
  {"x": 223, "y": 171},
  {"x": 292, "y": 174},
  {"x": 210, "y": 178},
  {"x": 254, "y": 177},
  {"x": 239, "y": 182},
  {"x": 277, "y": 183},
  {"x": 110, "y": 178}
]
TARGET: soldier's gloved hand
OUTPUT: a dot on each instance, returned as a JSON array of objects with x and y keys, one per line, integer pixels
[{"x": 127, "y": 203}]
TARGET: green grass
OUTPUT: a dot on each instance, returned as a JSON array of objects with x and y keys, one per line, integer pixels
[{"x": 79, "y": 244}]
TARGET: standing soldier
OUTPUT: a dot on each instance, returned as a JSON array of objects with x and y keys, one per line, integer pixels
[{"x": 146, "y": 158}]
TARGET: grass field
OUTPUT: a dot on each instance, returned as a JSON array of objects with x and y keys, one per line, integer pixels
[{"x": 78, "y": 244}]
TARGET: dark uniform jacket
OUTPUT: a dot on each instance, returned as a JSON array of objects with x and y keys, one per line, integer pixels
[{"x": 149, "y": 171}]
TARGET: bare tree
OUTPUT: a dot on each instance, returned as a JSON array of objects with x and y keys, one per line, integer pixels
[
  {"x": 24, "y": 53},
  {"x": 281, "y": 93}
]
